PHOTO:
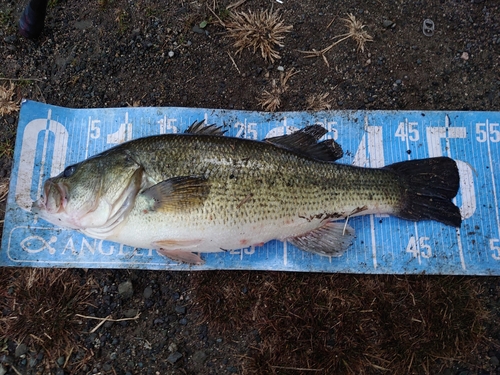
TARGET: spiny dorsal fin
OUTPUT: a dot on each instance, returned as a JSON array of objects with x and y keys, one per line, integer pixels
[
  {"x": 178, "y": 193},
  {"x": 305, "y": 142},
  {"x": 199, "y": 127},
  {"x": 332, "y": 239}
]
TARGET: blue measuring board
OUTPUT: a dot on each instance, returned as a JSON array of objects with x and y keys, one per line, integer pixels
[{"x": 49, "y": 138}]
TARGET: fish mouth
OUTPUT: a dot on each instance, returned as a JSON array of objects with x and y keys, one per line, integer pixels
[{"x": 54, "y": 199}]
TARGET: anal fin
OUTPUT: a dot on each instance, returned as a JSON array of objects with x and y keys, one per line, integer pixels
[{"x": 331, "y": 239}]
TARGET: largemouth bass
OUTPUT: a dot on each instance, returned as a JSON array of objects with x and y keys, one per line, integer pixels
[{"x": 185, "y": 194}]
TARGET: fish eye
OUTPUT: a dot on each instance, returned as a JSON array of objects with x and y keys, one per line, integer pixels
[{"x": 69, "y": 171}]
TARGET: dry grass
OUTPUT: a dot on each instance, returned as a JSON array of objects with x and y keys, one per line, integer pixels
[
  {"x": 270, "y": 100},
  {"x": 40, "y": 307},
  {"x": 345, "y": 324},
  {"x": 319, "y": 102},
  {"x": 7, "y": 104},
  {"x": 261, "y": 30},
  {"x": 355, "y": 31},
  {"x": 4, "y": 189}
]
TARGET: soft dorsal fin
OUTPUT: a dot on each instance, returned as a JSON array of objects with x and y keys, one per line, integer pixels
[
  {"x": 199, "y": 127},
  {"x": 305, "y": 142},
  {"x": 178, "y": 193}
]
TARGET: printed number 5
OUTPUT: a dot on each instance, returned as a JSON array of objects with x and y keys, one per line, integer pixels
[
  {"x": 95, "y": 131},
  {"x": 495, "y": 247}
]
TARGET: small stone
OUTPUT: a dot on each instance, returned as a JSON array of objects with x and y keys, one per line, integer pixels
[
  {"x": 148, "y": 292},
  {"x": 281, "y": 68},
  {"x": 199, "y": 357},
  {"x": 11, "y": 39},
  {"x": 20, "y": 350},
  {"x": 197, "y": 29},
  {"x": 171, "y": 53},
  {"x": 180, "y": 310},
  {"x": 60, "y": 361},
  {"x": 130, "y": 313},
  {"x": 106, "y": 367},
  {"x": 494, "y": 361},
  {"x": 388, "y": 23},
  {"x": 174, "y": 357},
  {"x": 183, "y": 321},
  {"x": 125, "y": 289},
  {"x": 172, "y": 347},
  {"x": 465, "y": 56}
]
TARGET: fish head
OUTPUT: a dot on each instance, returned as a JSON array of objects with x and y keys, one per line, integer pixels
[{"x": 91, "y": 194}]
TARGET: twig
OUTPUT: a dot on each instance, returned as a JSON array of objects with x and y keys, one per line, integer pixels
[
  {"x": 234, "y": 63},
  {"x": 216, "y": 16},
  {"x": 67, "y": 357},
  {"x": 15, "y": 370},
  {"x": 332, "y": 21},
  {"x": 236, "y": 4},
  {"x": 297, "y": 368},
  {"x": 41, "y": 94},
  {"x": 322, "y": 52},
  {"x": 21, "y": 79},
  {"x": 106, "y": 319}
]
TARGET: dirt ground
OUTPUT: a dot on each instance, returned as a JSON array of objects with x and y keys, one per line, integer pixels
[{"x": 117, "y": 53}]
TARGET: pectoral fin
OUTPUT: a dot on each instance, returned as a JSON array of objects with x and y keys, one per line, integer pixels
[
  {"x": 178, "y": 193},
  {"x": 332, "y": 239}
]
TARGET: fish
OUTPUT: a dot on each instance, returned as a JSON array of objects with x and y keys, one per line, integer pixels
[{"x": 201, "y": 192}]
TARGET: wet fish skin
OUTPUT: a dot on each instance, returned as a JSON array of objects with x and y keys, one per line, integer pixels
[{"x": 204, "y": 192}]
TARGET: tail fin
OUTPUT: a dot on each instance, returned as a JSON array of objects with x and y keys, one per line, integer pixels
[{"x": 431, "y": 184}]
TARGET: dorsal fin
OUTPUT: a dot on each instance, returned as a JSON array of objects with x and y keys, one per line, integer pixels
[
  {"x": 305, "y": 142},
  {"x": 199, "y": 127}
]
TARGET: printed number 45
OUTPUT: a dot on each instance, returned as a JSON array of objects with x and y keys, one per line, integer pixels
[
  {"x": 407, "y": 131},
  {"x": 419, "y": 247}
]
